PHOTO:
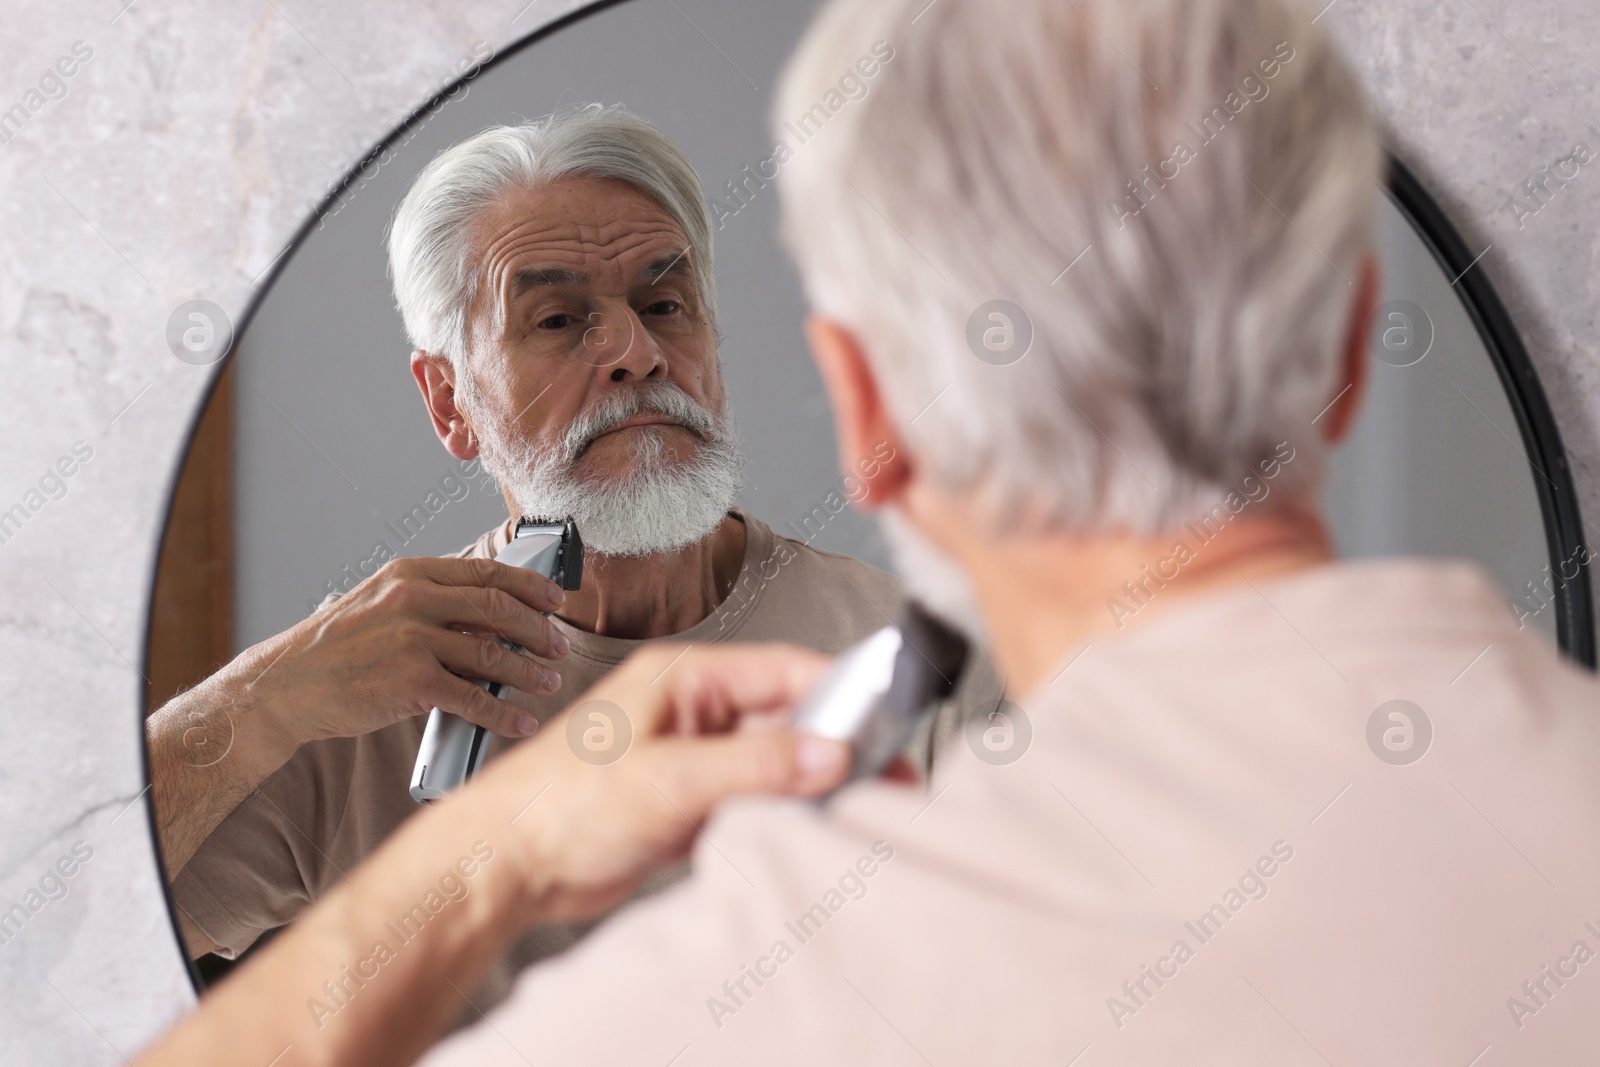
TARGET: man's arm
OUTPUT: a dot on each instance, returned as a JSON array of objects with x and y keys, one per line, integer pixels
[
  {"x": 389, "y": 649},
  {"x": 375, "y": 971}
]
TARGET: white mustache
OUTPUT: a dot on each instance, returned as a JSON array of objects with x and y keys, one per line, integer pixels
[{"x": 659, "y": 398}]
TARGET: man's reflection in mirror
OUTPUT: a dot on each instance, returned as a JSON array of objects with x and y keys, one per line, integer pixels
[{"x": 555, "y": 279}]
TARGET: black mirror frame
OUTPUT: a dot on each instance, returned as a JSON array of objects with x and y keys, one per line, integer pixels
[
  {"x": 1547, "y": 458},
  {"x": 1541, "y": 439}
]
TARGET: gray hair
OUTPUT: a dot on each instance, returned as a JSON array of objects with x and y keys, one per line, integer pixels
[
  {"x": 1188, "y": 315},
  {"x": 430, "y": 240}
]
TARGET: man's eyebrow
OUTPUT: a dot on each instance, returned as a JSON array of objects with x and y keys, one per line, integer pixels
[
  {"x": 677, "y": 263},
  {"x": 534, "y": 277}
]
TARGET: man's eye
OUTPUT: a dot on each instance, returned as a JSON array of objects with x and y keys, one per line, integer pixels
[
  {"x": 556, "y": 322},
  {"x": 663, "y": 307}
]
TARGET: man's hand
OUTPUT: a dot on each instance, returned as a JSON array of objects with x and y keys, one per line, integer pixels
[
  {"x": 391, "y": 648},
  {"x": 685, "y": 727},
  {"x": 559, "y": 834}
]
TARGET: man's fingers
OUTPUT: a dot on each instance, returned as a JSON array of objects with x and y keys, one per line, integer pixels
[
  {"x": 531, "y": 587},
  {"x": 707, "y": 688},
  {"x": 697, "y": 774},
  {"x": 522, "y": 699},
  {"x": 484, "y": 657},
  {"x": 497, "y": 611},
  {"x": 472, "y": 702}
]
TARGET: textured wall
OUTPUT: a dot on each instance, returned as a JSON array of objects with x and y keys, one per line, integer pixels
[
  {"x": 1482, "y": 98},
  {"x": 177, "y": 165}
]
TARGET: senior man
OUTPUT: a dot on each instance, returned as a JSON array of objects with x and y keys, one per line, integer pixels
[
  {"x": 1218, "y": 848},
  {"x": 556, "y": 280}
]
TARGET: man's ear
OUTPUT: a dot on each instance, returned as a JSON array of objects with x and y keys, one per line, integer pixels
[
  {"x": 871, "y": 451},
  {"x": 436, "y": 378},
  {"x": 1340, "y": 417}
]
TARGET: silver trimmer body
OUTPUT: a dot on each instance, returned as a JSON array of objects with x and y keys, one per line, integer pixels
[
  {"x": 453, "y": 749},
  {"x": 880, "y": 688}
]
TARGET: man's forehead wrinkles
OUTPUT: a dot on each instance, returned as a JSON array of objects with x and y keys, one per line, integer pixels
[
  {"x": 531, "y": 252},
  {"x": 512, "y": 253},
  {"x": 574, "y": 228},
  {"x": 588, "y": 241}
]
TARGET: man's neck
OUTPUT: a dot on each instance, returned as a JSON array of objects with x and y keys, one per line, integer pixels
[
  {"x": 1041, "y": 595},
  {"x": 657, "y": 595}
]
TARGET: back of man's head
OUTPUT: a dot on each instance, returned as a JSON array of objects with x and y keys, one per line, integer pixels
[{"x": 1177, "y": 194}]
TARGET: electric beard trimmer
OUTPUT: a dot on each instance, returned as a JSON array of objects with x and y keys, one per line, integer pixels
[
  {"x": 452, "y": 748},
  {"x": 880, "y": 688}
]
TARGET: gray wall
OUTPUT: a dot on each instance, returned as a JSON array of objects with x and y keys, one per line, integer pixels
[
  {"x": 179, "y": 164},
  {"x": 1434, "y": 465}
]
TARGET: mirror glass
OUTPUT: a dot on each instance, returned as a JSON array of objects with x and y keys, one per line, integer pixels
[
  {"x": 315, "y": 459},
  {"x": 1436, "y": 465}
]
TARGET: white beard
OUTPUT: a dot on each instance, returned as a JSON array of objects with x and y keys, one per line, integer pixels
[
  {"x": 662, "y": 504},
  {"x": 931, "y": 577}
]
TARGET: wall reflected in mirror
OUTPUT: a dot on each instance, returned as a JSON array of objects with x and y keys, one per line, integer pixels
[
  {"x": 318, "y": 461},
  {"x": 1436, "y": 465}
]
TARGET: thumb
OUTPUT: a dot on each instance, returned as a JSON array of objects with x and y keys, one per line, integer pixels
[{"x": 698, "y": 773}]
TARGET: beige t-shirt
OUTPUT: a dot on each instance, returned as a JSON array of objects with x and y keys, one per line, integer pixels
[
  {"x": 1201, "y": 859},
  {"x": 336, "y": 800}
]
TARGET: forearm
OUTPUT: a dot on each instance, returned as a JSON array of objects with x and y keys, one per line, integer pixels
[
  {"x": 210, "y": 747},
  {"x": 380, "y": 967},
  {"x": 390, "y": 649}
]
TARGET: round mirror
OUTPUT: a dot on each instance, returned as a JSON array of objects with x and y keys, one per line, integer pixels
[{"x": 313, "y": 461}]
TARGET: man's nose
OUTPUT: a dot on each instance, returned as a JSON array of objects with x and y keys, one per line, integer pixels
[{"x": 618, "y": 343}]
